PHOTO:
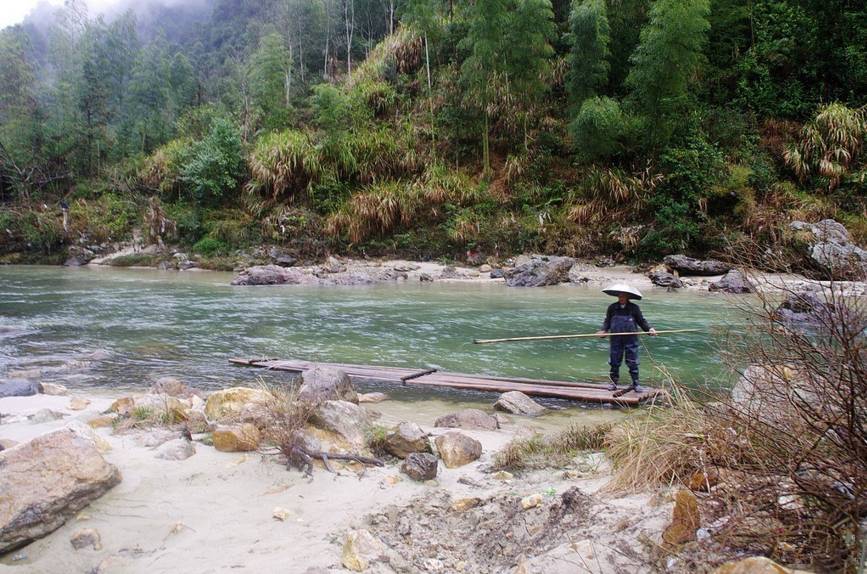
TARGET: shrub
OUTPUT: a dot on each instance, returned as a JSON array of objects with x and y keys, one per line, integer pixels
[
  {"x": 215, "y": 164},
  {"x": 379, "y": 209},
  {"x": 283, "y": 163},
  {"x": 210, "y": 246},
  {"x": 600, "y": 129}
]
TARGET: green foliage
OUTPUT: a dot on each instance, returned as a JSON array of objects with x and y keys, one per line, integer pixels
[
  {"x": 271, "y": 69},
  {"x": 283, "y": 163},
  {"x": 600, "y": 129},
  {"x": 588, "y": 58},
  {"x": 215, "y": 165},
  {"x": 209, "y": 246},
  {"x": 107, "y": 217},
  {"x": 667, "y": 61}
]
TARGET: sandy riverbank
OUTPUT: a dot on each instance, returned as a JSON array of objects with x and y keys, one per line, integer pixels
[{"x": 213, "y": 512}]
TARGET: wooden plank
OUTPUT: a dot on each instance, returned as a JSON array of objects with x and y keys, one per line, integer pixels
[{"x": 585, "y": 392}]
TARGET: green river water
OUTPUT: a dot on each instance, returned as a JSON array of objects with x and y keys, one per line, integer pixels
[{"x": 153, "y": 323}]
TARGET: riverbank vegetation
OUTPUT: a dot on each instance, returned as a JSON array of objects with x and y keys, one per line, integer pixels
[{"x": 429, "y": 129}]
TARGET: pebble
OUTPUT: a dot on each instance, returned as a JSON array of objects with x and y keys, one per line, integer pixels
[
  {"x": 503, "y": 475},
  {"x": 531, "y": 501},
  {"x": 280, "y": 514},
  {"x": 78, "y": 404}
]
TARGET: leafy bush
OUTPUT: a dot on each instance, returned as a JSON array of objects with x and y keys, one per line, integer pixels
[
  {"x": 599, "y": 129},
  {"x": 209, "y": 246},
  {"x": 109, "y": 217},
  {"x": 215, "y": 165}
]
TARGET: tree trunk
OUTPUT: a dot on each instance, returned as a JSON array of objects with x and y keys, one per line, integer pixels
[
  {"x": 486, "y": 151},
  {"x": 349, "y": 24},
  {"x": 327, "y": 39}
]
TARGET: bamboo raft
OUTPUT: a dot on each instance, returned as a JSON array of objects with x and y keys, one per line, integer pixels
[{"x": 575, "y": 391}]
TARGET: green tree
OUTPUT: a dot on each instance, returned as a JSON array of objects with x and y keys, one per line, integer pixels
[
  {"x": 215, "y": 165},
  {"x": 271, "y": 68},
  {"x": 149, "y": 118},
  {"x": 588, "y": 58},
  {"x": 667, "y": 61}
]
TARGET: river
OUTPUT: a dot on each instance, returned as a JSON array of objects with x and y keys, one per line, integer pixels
[{"x": 152, "y": 323}]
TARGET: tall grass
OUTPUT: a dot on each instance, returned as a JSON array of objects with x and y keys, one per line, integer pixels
[{"x": 283, "y": 163}]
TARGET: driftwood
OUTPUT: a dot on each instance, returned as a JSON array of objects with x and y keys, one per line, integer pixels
[{"x": 302, "y": 459}]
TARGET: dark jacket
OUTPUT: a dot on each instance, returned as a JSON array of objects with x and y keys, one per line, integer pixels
[{"x": 629, "y": 310}]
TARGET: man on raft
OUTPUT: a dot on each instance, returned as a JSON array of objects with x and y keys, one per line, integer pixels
[{"x": 622, "y": 317}]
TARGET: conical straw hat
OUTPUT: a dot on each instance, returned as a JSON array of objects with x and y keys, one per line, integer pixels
[{"x": 618, "y": 288}]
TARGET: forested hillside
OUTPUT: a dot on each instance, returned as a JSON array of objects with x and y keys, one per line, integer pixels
[{"x": 630, "y": 128}]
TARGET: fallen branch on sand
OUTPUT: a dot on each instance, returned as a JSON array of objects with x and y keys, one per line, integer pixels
[{"x": 302, "y": 459}]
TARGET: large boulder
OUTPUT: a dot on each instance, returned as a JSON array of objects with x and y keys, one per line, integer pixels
[
  {"x": 457, "y": 449},
  {"x": 807, "y": 310},
  {"x": 665, "y": 279},
  {"x": 45, "y": 481},
  {"x": 766, "y": 391},
  {"x": 361, "y": 550},
  {"x": 236, "y": 438},
  {"x": 326, "y": 384},
  {"x": 420, "y": 466},
  {"x": 468, "y": 419},
  {"x": 18, "y": 388},
  {"x": 684, "y": 265},
  {"x": 228, "y": 405},
  {"x": 518, "y": 403},
  {"x": 405, "y": 439},
  {"x": 732, "y": 282},
  {"x": 268, "y": 275},
  {"x": 347, "y": 420},
  {"x": 540, "y": 271},
  {"x": 828, "y": 246}
]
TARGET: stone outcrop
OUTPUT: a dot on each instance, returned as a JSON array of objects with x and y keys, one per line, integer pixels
[
  {"x": 828, "y": 247},
  {"x": 45, "y": 481},
  {"x": 420, "y": 466},
  {"x": 326, "y": 384},
  {"x": 346, "y": 420},
  {"x": 268, "y": 275},
  {"x": 229, "y": 404},
  {"x": 685, "y": 519},
  {"x": 405, "y": 439},
  {"x": 665, "y": 279},
  {"x": 18, "y": 388},
  {"x": 518, "y": 403},
  {"x": 456, "y": 449},
  {"x": 539, "y": 271},
  {"x": 360, "y": 550},
  {"x": 236, "y": 438},
  {"x": 683, "y": 265},
  {"x": 468, "y": 419},
  {"x": 732, "y": 282}
]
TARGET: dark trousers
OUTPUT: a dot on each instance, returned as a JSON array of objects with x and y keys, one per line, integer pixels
[{"x": 621, "y": 346}]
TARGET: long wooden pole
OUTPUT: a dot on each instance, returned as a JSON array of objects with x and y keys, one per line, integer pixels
[{"x": 581, "y": 336}]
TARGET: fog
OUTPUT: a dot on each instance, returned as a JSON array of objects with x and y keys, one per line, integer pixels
[{"x": 17, "y": 11}]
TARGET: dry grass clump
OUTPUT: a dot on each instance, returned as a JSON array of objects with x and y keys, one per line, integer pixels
[
  {"x": 540, "y": 451},
  {"x": 378, "y": 209},
  {"x": 286, "y": 419},
  {"x": 283, "y": 163}
]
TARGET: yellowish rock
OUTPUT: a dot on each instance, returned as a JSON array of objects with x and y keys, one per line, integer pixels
[
  {"x": 464, "y": 504},
  {"x": 503, "y": 475},
  {"x": 103, "y": 421},
  {"x": 54, "y": 390},
  {"x": 236, "y": 438},
  {"x": 123, "y": 406},
  {"x": 752, "y": 565},
  {"x": 392, "y": 479},
  {"x": 685, "y": 519},
  {"x": 226, "y": 405},
  {"x": 531, "y": 501},
  {"x": 360, "y": 550},
  {"x": 78, "y": 404},
  {"x": 280, "y": 513}
]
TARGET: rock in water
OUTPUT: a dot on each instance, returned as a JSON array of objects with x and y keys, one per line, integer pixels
[
  {"x": 733, "y": 282},
  {"x": 420, "y": 466},
  {"x": 405, "y": 439},
  {"x": 228, "y": 404},
  {"x": 177, "y": 449},
  {"x": 828, "y": 246},
  {"x": 86, "y": 537},
  {"x": 347, "y": 420},
  {"x": 468, "y": 419},
  {"x": 540, "y": 272},
  {"x": 665, "y": 279},
  {"x": 16, "y": 388},
  {"x": 458, "y": 449},
  {"x": 267, "y": 275},
  {"x": 236, "y": 438},
  {"x": 685, "y": 519},
  {"x": 360, "y": 550},
  {"x": 47, "y": 480},
  {"x": 518, "y": 403},
  {"x": 326, "y": 384},
  {"x": 684, "y": 265}
]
